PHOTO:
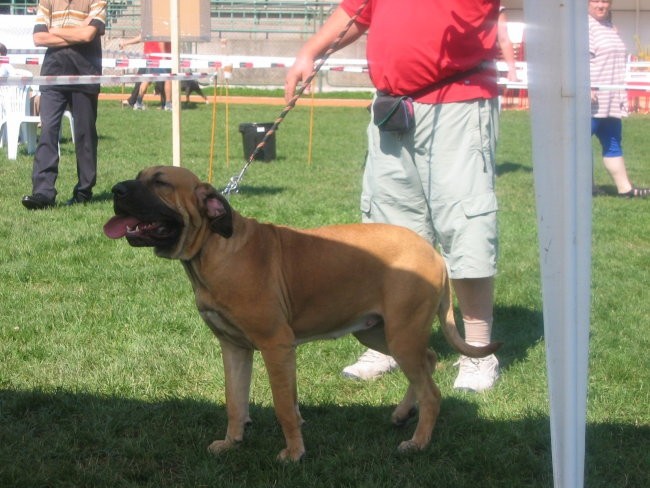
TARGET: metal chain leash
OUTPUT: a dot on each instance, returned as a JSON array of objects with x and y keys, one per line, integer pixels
[{"x": 233, "y": 184}]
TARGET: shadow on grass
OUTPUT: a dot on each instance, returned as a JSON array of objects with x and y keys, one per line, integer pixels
[
  {"x": 105, "y": 196},
  {"x": 76, "y": 439},
  {"x": 510, "y": 167}
]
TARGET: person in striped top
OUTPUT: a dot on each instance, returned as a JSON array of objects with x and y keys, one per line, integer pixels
[
  {"x": 71, "y": 31},
  {"x": 608, "y": 57}
]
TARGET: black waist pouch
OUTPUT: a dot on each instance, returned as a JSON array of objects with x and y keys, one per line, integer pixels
[{"x": 393, "y": 113}]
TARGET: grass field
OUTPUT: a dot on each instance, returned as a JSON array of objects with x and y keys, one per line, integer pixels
[{"x": 109, "y": 378}]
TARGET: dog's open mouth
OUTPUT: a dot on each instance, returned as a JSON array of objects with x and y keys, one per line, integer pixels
[{"x": 140, "y": 233}]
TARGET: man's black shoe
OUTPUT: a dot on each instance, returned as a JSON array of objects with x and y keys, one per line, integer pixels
[
  {"x": 37, "y": 201},
  {"x": 77, "y": 199}
]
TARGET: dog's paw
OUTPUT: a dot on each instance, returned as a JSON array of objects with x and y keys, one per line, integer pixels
[
  {"x": 291, "y": 455},
  {"x": 409, "y": 446},
  {"x": 400, "y": 418},
  {"x": 218, "y": 447}
]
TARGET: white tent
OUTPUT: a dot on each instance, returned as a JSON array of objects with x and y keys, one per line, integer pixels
[{"x": 558, "y": 81}]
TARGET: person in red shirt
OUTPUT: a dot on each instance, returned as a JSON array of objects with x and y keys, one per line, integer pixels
[
  {"x": 437, "y": 177},
  {"x": 154, "y": 51}
]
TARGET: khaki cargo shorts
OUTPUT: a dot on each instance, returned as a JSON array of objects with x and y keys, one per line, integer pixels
[{"x": 439, "y": 180}]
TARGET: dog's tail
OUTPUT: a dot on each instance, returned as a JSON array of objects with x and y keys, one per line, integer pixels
[{"x": 449, "y": 329}]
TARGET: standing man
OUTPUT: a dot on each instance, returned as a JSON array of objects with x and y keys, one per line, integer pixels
[
  {"x": 71, "y": 30},
  {"x": 436, "y": 177}
]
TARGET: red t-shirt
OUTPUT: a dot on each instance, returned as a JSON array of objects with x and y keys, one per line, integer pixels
[
  {"x": 413, "y": 44},
  {"x": 154, "y": 47}
]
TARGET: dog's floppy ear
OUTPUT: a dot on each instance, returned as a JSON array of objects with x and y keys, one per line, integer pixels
[{"x": 216, "y": 208}]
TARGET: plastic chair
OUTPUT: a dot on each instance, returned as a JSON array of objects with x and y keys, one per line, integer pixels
[
  {"x": 15, "y": 113},
  {"x": 68, "y": 114}
]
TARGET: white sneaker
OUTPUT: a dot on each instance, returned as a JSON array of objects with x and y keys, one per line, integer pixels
[
  {"x": 139, "y": 106},
  {"x": 477, "y": 374},
  {"x": 371, "y": 364},
  {"x": 168, "y": 107}
]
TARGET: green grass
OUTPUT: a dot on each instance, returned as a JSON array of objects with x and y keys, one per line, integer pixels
[{"x": 108, "y": 377}]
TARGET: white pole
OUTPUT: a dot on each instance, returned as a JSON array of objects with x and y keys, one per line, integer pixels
[
  {"x": 558, "y": 80},
  {"x": 637, "y": 14},
  {"x": 174, "y": 10}
]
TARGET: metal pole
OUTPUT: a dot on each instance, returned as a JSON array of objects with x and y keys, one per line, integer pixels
[
  {"x": 174, "y": 10},
  {"x": 558, "y": 81}
]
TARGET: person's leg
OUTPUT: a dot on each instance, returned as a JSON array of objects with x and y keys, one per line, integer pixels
[
  {"x": 477, "y": 297},
  {"x": 133, "y": 97},
  {"x": 458, "y": 167},
  {"x": 167, "y": 90},
  {"x": 615, "y": 166},
  {"x": 391, "y": 193},
  {"x": 135, "y": 93},
  {"x": 84, "y": 111},
  {"x": 46, "y": 160},
  {"x": 139, "y": 104},
  {"x": 609, "y": 132}
]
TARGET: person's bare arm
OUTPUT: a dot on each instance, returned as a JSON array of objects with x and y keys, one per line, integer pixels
[
  {"x": 128, "y": 42},
  {"x": 506, "y": 47},
  {"x": 76, "y": 35},
  {"x": 317, "y": 45}
]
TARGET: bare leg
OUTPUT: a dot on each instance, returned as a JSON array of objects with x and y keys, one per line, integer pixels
[{"x": 616, "y": 168}]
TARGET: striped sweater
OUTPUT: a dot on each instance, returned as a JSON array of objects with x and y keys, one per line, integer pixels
[
  {"x": 77, "y": 59},
  {"x": 608, "y": 58},
  {"x": 65, "y": 13}
]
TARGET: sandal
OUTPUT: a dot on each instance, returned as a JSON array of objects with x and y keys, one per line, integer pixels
[{"x": 636, "y": 193}]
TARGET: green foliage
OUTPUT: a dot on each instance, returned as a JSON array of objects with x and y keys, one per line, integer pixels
[{"x": 109, "y": 378}]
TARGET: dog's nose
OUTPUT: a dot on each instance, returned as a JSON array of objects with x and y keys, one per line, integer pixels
[{"x": 119, "y": 190}]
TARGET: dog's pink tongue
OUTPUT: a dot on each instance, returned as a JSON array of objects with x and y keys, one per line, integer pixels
[{"x": 115, "y": 228}]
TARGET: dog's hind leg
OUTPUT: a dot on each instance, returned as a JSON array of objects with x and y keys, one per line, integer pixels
[
  {"x": 407, "y": 408},
  {"x": 407, "y": 337},
  {"x": 374, "y": 338},
  {"x": 418, "y": 369},
  {"x": 238, "y": 368}
]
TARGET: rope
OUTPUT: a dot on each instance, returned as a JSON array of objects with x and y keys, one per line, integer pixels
[
  {"x": 227, "y": 132},
  {"x": 214, "y": 125},
  {"x": 233, "y": 184},
  {"x": 311, "y": 129}
]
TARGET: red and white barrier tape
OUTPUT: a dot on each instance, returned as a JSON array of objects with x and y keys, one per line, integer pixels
[
  {"x": 104, "y": 79},
  {"x": 226, "y": 64},
  {"x": 196, "y": 62}
]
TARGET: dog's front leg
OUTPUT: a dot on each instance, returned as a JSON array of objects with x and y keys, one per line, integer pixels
[
  {"x": 280, "y": 362},
  {"x": 238, "y": 368}
]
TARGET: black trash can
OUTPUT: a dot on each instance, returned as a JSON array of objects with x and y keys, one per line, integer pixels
[{"x": 252, "y": 135}]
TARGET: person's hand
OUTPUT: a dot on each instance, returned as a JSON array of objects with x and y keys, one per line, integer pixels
[
  {"x": 512, "y": 75},
  {"x": 300, "y": 70}
]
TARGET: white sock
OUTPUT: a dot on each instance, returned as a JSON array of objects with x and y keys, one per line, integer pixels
[{"x": 478, "y": 332}]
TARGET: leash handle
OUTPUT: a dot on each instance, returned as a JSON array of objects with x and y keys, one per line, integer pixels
[{"x": 233, "y": 184}]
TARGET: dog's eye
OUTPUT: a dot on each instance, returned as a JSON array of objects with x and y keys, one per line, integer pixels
[{"x": 161, "y": 183}]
